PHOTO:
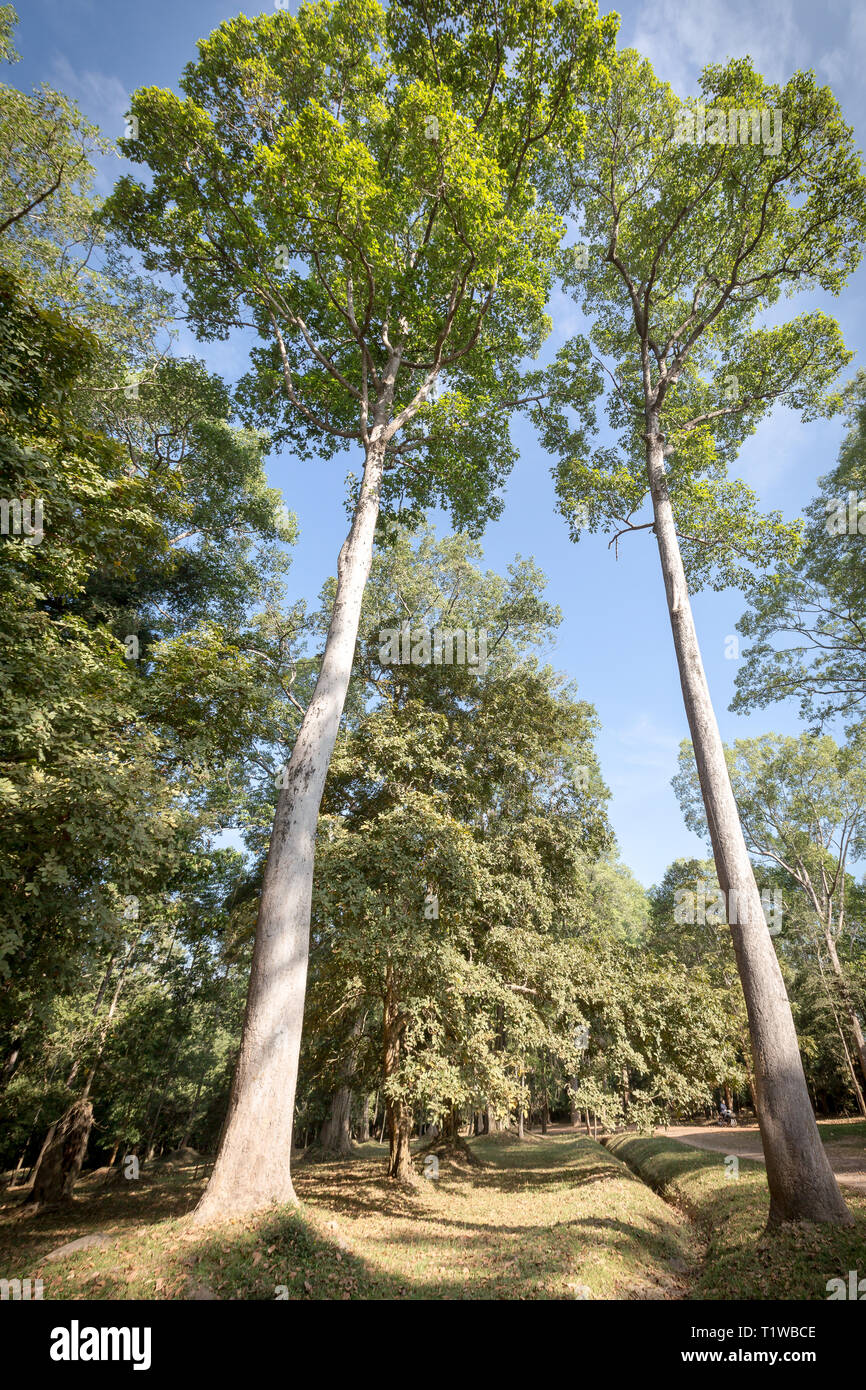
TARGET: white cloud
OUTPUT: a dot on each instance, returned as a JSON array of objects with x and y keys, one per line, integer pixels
[
  {"x": 101, "y": 96},
  {"x": 105, "y": 101},
  {"x": 842, "y": 66},
  {"x": 679, "y": 38}
]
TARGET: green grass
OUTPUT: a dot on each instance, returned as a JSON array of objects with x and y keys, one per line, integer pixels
[
  {"x": 848, "y": 1131},
  {"x": 557, "y": 1217},
  {"x": 544, "y": 1218},
  {"x": 741, "y": 1260}
]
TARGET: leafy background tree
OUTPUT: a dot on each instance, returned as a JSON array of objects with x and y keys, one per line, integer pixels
[
  {"x": 802, "y": 804},
  {"x": 806, "y": 618}
]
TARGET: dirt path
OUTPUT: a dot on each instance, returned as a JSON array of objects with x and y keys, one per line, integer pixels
[{"x": 847, "y": 1158}]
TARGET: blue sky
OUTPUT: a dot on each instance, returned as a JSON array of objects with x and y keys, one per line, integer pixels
[{"x": 615, "y": 638}]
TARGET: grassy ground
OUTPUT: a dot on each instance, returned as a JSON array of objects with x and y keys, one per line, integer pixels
[
  {"x": 546, "y": 1218},
  {"x": 848, "y": 1132},
  {"x": 741, "y": 1262}
]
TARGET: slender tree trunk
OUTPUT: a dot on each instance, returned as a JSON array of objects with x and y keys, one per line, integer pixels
[
  {"x": 801, "y": 1181},
  {"x": 167, "y": 1076},
  {"x": 861, "y": 1102},
  {"x": 150, "y": 1147},
  {"x": 112, "y": 1009},
  {"x": 750, "y": 1078},
  {"x": 520, "y": 1103},
  {"x": 853, "y": 1020},
  {"x": 253, "y": 1166},
  {"x": 97, "y": 1005},
  {"x": 19, "y": 1165},
  {"x": 100, "y": 993},
  {"x": 65, "y": 1144},
  {"x": 13, "y": 1056},
  {"x": 34, "y": 1171},
  {"x": 858, "y": 1093},
  {"x": 187, "y": 1133}
]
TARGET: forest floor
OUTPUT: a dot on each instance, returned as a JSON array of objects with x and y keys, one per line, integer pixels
[
  {"x": 556, "y": 1217},
  {"x": 728, "y": 1202},
  {"x": 553, "y": 1218}
]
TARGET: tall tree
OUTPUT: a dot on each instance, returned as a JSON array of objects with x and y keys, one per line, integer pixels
[
  {"x": 697, "y": 216},
  {"x": 356, "y": 186}
]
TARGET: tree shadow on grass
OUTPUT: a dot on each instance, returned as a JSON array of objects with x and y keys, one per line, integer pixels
[
  {"x": 514, "y": 1180},
  {"x": 28, "y": 1234},
  {"x": 355, "y": 1192},
  {"x": 443, "y": 1249}
]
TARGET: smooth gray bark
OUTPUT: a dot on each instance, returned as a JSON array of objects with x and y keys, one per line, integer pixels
[
  {"x": 801, "y": 1181},
  {"x": 253, "y": 1165}
]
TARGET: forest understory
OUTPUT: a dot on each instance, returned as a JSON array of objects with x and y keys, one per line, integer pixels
[{"x": 559, "y": 1216}]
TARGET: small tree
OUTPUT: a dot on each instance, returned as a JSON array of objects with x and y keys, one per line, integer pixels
[{"x": 697, "y": 216}]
